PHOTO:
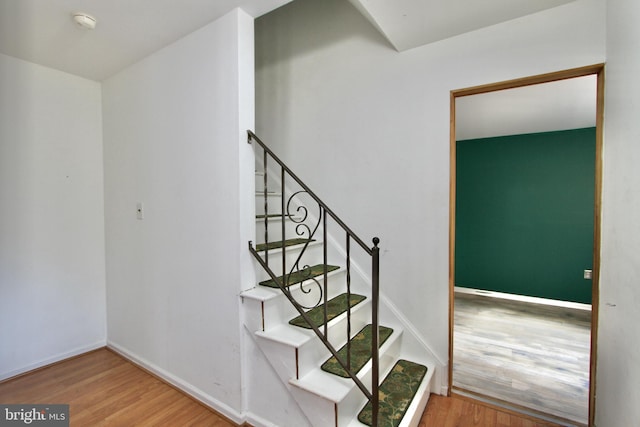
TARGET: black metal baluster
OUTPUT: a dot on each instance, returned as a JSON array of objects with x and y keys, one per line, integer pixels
[
  {"x": 326, "y": 281},
  {"x": 375, "y": 356},
  {"x": 349, "y": 299},
  {"x": 282, "y": 215},
  {"x": 266, "y": 208}
]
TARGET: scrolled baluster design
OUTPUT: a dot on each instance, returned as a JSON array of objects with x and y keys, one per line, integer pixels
[{"x": 299, "y": 215}]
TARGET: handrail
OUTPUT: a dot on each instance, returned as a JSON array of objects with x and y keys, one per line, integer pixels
[
  {"x": 283, "y": 283},
  {"x": 252, "y": 136}
]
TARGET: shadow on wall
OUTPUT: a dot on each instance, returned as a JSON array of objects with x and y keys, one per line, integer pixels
[
  {"x": 326, "y": 22},
  {"x": 311, "y": 35}
]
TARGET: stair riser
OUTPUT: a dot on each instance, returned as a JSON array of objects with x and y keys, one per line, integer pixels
[
  {"x": 252, "y": 314},
  {"x": 271, "y": 185},
  {"x": 273, "y": 178},
  {"x": 273, "y": 202}
]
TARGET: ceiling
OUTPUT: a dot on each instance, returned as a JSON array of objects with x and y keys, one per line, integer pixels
[
  {"x": 560, "y": 105},
  {"x": 42, "y": 31},
  {"x": 412, "y": 23}
]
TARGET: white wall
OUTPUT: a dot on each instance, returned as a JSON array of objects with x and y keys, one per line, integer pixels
[
  {"x": 174, "y": 135},
  {"x": 368, "y": 128},
  {"x": 52, "y": 285},
  {"x": 618, "y": 335}
]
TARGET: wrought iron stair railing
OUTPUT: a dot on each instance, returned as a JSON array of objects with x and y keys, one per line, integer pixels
[{"x": 299, "y": 215}]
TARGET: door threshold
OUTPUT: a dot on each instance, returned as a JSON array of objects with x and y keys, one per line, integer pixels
[{"x": 508, "y": 407}]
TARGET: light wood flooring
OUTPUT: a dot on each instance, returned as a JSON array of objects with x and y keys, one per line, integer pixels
[
  {"x": 103, "y": 389},
  {"x": 531, "y": 355},
  {"x": 458, "y": 411}
]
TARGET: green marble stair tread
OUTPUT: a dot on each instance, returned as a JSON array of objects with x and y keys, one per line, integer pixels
[
  {"x": 299, "y": 276},
  {"x": 335, "y": 307},
  {"x": 360, "y": 351},
  {"x": 396, "y": 393},
  {"x": 277, "y": 245}
]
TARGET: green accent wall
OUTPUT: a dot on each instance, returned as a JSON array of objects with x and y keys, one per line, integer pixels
[{"x": 524, "y": 214}]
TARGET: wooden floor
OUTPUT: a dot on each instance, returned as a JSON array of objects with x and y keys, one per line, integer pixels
[
  {"x": 532, "y": 355},
  {"x": 462, "y": 412},
  {"x": 103, "y": 389}
]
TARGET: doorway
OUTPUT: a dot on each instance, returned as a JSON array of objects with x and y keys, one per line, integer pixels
[{"x": 532, "y": 83}]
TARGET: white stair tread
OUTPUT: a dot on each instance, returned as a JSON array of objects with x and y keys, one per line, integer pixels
[
  {"x": 260, "y": 293},
  {"x": 287, "y": 334},
  {"x": 324, "y": 384}
]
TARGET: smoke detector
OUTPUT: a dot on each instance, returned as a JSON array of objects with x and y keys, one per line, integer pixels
[{"x": 84, "y": 20}]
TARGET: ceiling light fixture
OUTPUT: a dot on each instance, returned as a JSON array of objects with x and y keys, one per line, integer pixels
[{"x": 84, "y": 20}]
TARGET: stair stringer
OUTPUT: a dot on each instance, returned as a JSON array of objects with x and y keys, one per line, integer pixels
[{"x": 272, "y": 402}]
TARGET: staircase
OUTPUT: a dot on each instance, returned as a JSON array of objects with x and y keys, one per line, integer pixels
[{"x": 317, "y": 316}]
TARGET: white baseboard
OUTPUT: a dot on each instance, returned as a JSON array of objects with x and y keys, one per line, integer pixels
[
  {"x": 523, "y": 298},
  {"x": 180, "y": 384},
  {"x": 53, "y": 359},
  {"x": 257, "y": 421}
]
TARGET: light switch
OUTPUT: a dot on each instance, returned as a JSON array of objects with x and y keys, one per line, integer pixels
[
  {"x": 587, "y": 274},
  {"x": 139, "y": 210}
]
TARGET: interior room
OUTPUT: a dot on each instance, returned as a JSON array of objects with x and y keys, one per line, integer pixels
[
  {"x": 524, "y": 226},
  {"x": 128, "y": 186}
]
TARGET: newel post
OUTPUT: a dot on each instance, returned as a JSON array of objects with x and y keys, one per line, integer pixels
[{"x": 375, "y": 356}]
